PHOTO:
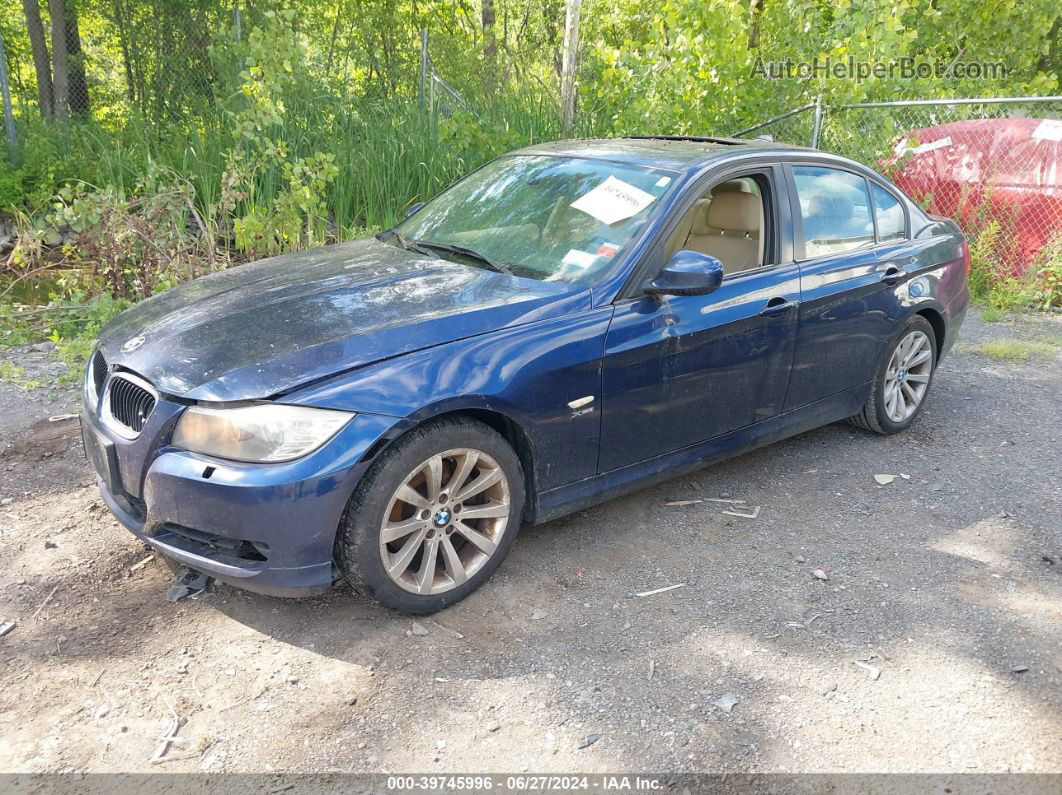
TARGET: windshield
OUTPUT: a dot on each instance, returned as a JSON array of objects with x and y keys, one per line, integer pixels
[{"x": 550, "y": 218}]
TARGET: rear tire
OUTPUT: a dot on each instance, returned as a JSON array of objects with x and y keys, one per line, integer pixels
[
  {"x": 433, "y": 518},
  {"x": 902, "y": 380}
]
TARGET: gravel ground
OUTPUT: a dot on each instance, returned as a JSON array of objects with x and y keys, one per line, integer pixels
[{"x": 930, "y": 638}]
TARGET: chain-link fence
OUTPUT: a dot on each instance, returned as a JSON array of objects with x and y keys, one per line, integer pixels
[
  {"x": 177, "y": 61},
  {"x": 995, "y": 165},
  {"x": 78, "y": 59}
]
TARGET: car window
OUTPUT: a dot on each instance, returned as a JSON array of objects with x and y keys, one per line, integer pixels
[
  {"x": 727, "y": 222},
  {"x": 889, "y": 215},
  {"x": 835, "y": 209},
  {"x": 551, "y": 218}
]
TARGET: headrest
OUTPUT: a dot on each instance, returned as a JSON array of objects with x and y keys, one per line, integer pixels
[
  {"x": 738, "y": 212},
  {"x": 732, "y": 186},
  {"x": 700, "y": 218}
]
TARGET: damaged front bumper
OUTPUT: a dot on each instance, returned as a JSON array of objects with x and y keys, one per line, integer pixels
[{"x": 268, "y": 528}]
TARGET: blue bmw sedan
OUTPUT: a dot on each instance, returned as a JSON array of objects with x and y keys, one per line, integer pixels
[{"x": 570, "y": 322}]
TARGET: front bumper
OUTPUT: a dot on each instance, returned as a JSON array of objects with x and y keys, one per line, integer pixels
[{"x": 268, "y": 528}]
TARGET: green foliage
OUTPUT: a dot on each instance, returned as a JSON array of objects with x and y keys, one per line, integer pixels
[
  {"x": 212, "y": 141},
  {"x": 992, "y": 279},
  {"x": 1048, "y": 281},
  {"x": 48, "y": 158},
  {"x": 293, "y": 217},
  {"x": 11, "y": 374},
  {"x": 991, "y": 314},
  {"x": 688, "y": 66},
  {"x": 986, "y": 271},
  {"x": 68, "y": 316},
  {"x": 124, "y": 245},
  {"x": 1018, "y": 350}
]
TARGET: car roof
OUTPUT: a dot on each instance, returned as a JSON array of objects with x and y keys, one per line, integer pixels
[{"x": 675, "y": 152}]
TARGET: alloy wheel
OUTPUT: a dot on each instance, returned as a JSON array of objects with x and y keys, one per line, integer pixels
[
  {"x": 445, "y": 521},
  {"x": 907, "y": 376}
]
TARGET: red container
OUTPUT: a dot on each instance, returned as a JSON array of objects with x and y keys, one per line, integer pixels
[{"x": 1007, "y": 170}]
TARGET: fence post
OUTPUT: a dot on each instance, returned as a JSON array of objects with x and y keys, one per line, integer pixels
[
  {"x": 9, "y": 117},
  {"x": 816, "y": 125},
  {"x": 423, "y": 66}
]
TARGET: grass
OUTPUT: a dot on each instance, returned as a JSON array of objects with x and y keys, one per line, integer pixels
[
  {"x": 1018, "y": 350},
  {"x": 10, "y": 374},
  {"x": 389, "y": 154},
  {"x": 991, "y": 314}
]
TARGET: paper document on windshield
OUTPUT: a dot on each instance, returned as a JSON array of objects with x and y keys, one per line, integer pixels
[{"x": 613, "y": 200}]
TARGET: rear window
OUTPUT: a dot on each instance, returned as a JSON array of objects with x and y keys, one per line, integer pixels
[
  {"x": 835, "y": 210},
  {"x": 889, "y": 214}
]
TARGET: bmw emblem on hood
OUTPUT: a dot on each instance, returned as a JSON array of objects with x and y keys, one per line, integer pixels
[{"x": 132, "y": 344}]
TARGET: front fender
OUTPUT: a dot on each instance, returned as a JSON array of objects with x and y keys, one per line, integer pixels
[{"x": 528, "y": 373}]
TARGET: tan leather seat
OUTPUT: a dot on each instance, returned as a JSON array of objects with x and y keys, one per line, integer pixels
[{"x": 727, "y": 227}]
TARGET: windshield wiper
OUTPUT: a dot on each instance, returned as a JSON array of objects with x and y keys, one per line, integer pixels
[
  {"x": 471, "y": 253},
  {"x": 407, "y": 244},
  {"x": 427, "y": 248}
]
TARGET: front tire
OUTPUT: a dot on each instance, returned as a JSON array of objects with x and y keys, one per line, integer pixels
[
  {"x": 433, "y": 518},
  {"x": 902, "y": 381}
]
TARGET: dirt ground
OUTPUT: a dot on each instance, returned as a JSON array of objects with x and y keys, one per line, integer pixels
[{"x": 934, "y": 643}]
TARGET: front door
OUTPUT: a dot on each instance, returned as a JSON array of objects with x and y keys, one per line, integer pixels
[
  {"x": 682, "y": 369},
  {"x": 679, "y": 370}
]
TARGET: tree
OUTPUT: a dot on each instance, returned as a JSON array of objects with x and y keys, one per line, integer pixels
[
  {"x": 756, "y": 9},
  {"x": 77, "y": 86},
  {"x": 69, "y": 88},
  {"x": 60, "y": 60},
  {"x": 41, "y": 61},
  {"x": 570, "y": 47},
  {"x": 490, "y": 42}
]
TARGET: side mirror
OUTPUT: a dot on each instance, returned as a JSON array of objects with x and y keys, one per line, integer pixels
[
  {"x": 688, "y": 273},
  {"x": 416, "y": 207}
]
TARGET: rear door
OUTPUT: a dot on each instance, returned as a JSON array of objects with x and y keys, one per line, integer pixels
[
  {"x": 682, "y": 369},
  {"x": 852, "y": 240}
]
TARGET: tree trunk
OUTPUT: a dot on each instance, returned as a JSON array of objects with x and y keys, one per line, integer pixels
[
  {"x": 756, "y": 10},
  {"x": 490, "y": 44},
  {"x": 77, "y": 87},
  {"x": 123, "y": 44},
  {"x": 60, "y": 60},
  {"x": 41, "y": 63},
  {"x": 569, "y": 49}
]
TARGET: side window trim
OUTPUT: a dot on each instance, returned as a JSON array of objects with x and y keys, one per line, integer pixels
[
  {"x": 873, "y": 211},
  {"x": 797, "y": 225}
]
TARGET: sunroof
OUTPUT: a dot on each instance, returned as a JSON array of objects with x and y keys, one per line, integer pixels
[{"x": 697, "y": 138}]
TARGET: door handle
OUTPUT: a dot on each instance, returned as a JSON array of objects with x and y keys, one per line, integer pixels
[
  {"x": 893, "y": 275},
  {"x": 777, "y": 306},
  {"x": 893, "y": 270}
]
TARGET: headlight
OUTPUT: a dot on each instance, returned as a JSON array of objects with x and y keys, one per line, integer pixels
[
  {"x": 95, "y": 375},
  {"x": 89, "y": 393},
  {"x": 265, "y": 432}
]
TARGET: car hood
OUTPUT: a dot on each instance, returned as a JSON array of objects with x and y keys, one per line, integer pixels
[{"x": 263, "y": 329}]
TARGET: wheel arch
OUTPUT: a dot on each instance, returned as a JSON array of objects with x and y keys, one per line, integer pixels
[
  {"x": 518, "y": 439},
  {"x": 509, "y": 428},
  {"x": 936, "y": 320}
]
